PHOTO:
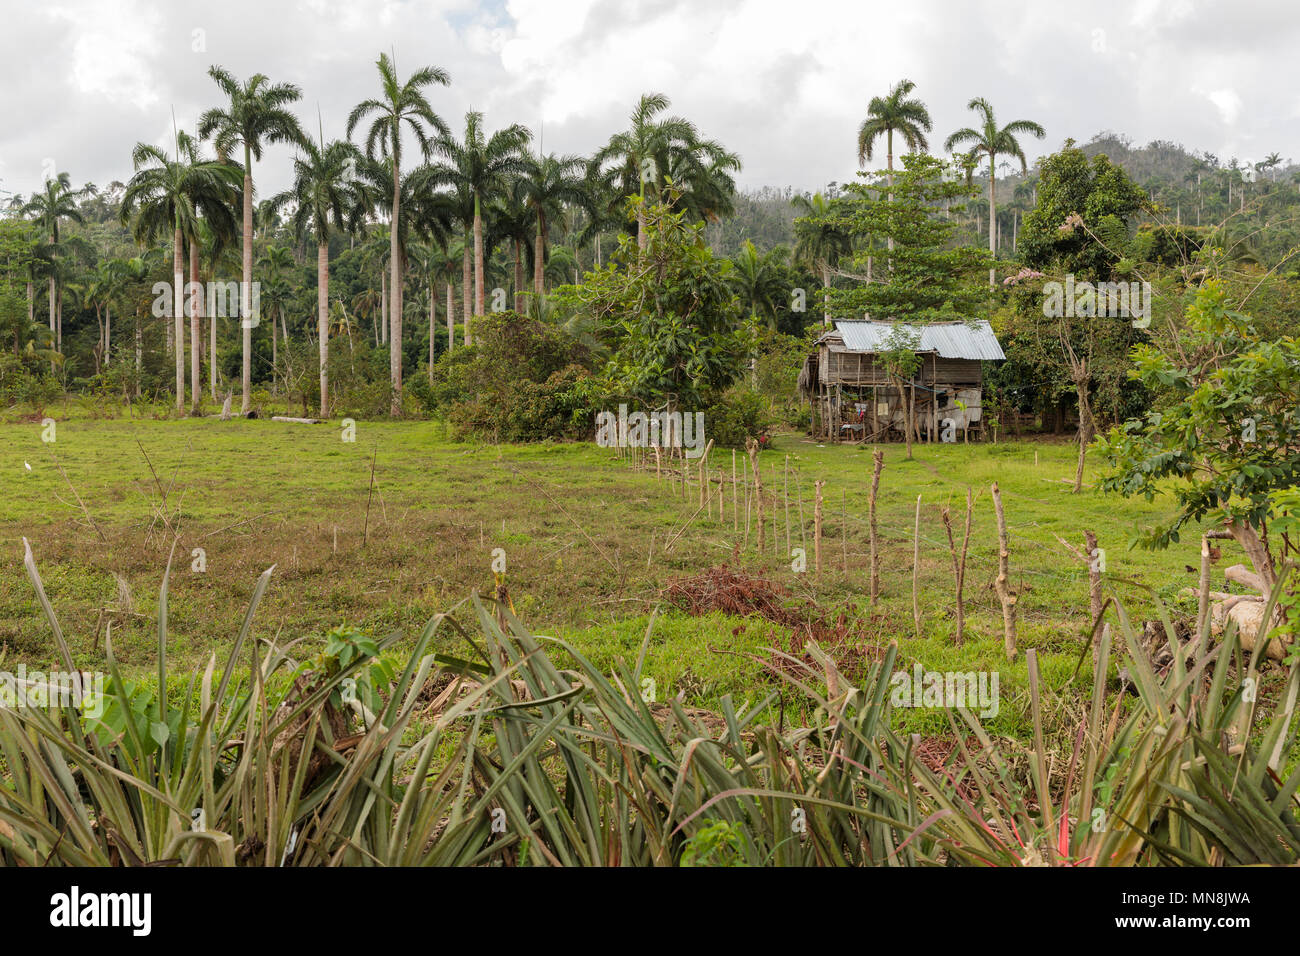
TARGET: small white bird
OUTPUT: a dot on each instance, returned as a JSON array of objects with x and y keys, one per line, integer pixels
[{"x": 29, "y": 467}]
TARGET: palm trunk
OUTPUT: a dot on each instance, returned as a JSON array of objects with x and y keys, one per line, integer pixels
[
  {"x": 178, "y": 313},
  {"x": 993, "y": 218},
  {"x": 98, "y": 353},
  {"x": 826, "y": 293},
  {"x": 433, "y": 323},
  {"x": 539, "y": 255},
  {"x": 31, "y": 303},
  {"x": 53, "y": 314},
  {"x": 395, "y": 252},
  {"x": 275, "y": 352},
  {"x": 466, "y": 276},
  {"x": 519, "y": 276},
  {"x": 323, "y": 323},
  {"x": 245, "y": 289},
  {"x": 196, "y": 330},
  {"x": 451, "y": 318},
  {"x": 58, "y": 339},
  {"x": 383, "y": 308},
  {"x": 478, "y": 259},
  {"x": 889, "y": 176},
  {"x": 212, "y": 355},
  {"x": 108, "y": 332}
]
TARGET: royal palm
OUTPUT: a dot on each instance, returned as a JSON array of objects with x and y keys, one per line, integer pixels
[
  {"x": 256, "y": 115},
  {"x": 401, "y": 105},
  {"x": 988, "y": 139}
]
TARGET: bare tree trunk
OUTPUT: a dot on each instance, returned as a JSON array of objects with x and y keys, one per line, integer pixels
[
  {"x": 383, "y": 308},
  {"x": 959, "y": 565},
  {"x": 751, "y": 446},
  {"x": 433, "y": 323}
]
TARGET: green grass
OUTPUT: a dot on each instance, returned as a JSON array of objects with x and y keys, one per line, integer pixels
[{"x": 583, "y": 535}]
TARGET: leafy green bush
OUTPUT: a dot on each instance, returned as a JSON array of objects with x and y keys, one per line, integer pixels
[{"x": 741, "y": 414}]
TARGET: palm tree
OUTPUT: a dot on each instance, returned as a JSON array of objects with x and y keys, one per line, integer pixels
[
  {"x": 895, "y": 113},
  {"x": 55, "y": 202},
  {"x": 991, "y": 141},
  {"x": 255, "y": 115},
  {"x": 759, "y": 284},
  {"x": 546, "y": 185},
  {"x": 323, "y": 195},
  {"x": 166, "y": 195},
  {"x": 635, "y": 157},
  {"x": 403, "y": 104},
  {"x": 105, "y": 287},
  {"x": 482, "y": 167},
  {"x": 819, "y": 241}
]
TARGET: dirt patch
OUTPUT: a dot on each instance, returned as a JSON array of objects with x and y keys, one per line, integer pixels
[{"x": 732, "y": 591}]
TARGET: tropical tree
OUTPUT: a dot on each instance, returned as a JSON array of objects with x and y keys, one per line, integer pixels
[
  {"x": 988, "y": 139},
  {"x": 899, "y": 113},
  {"x": 322, "y": 196},
  {"x": 482, "y": 167},
  {"x": 55, "y": 202},
  {"x": 402, "y": 105},
  {"x": 546, "y": 185},
  {"x": 633, "y": 161},
  {"x": 255, "y": 115},
  {"x": 820, "y": 240},
  {"x": 166, "y": 195}
]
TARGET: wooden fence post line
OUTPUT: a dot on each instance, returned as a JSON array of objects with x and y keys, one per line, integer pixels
[
  {"x": 959, "y": 565},
  {"x": 916, "y": 568},
  {"x": 844, "y": 531},
  {"x": 878, "y": 464},
  {"x": 751, "y": 446},
  {"x": 735, "y": 513},
  {"x": 1094, "y": 584},
  {"x": 817, "y": 525},
  {"x": 787, "y": 505},
  {"x": 1000, "y": 583}
]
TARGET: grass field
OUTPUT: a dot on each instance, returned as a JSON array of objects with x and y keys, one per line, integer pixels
[{"x": 583, "y": 536}]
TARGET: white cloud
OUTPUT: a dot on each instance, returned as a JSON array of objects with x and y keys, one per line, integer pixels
[{"x": 783, "y": 85}]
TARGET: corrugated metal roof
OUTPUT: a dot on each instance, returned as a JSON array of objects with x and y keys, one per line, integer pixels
[{"x": 956, "y": 340}]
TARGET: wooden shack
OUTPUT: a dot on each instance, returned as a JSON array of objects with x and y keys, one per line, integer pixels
[{"x": 853, "y": 399}]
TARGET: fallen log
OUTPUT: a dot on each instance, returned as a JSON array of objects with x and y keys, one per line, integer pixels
[{"x": 298, "y": 421}]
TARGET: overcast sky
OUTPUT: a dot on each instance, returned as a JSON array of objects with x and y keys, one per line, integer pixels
[{"x": 784, "y": 83}]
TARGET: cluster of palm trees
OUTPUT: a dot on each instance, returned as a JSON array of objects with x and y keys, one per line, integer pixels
[
  {"x": 465, "y": 194},
  {"x": 900, "y": 112}
]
